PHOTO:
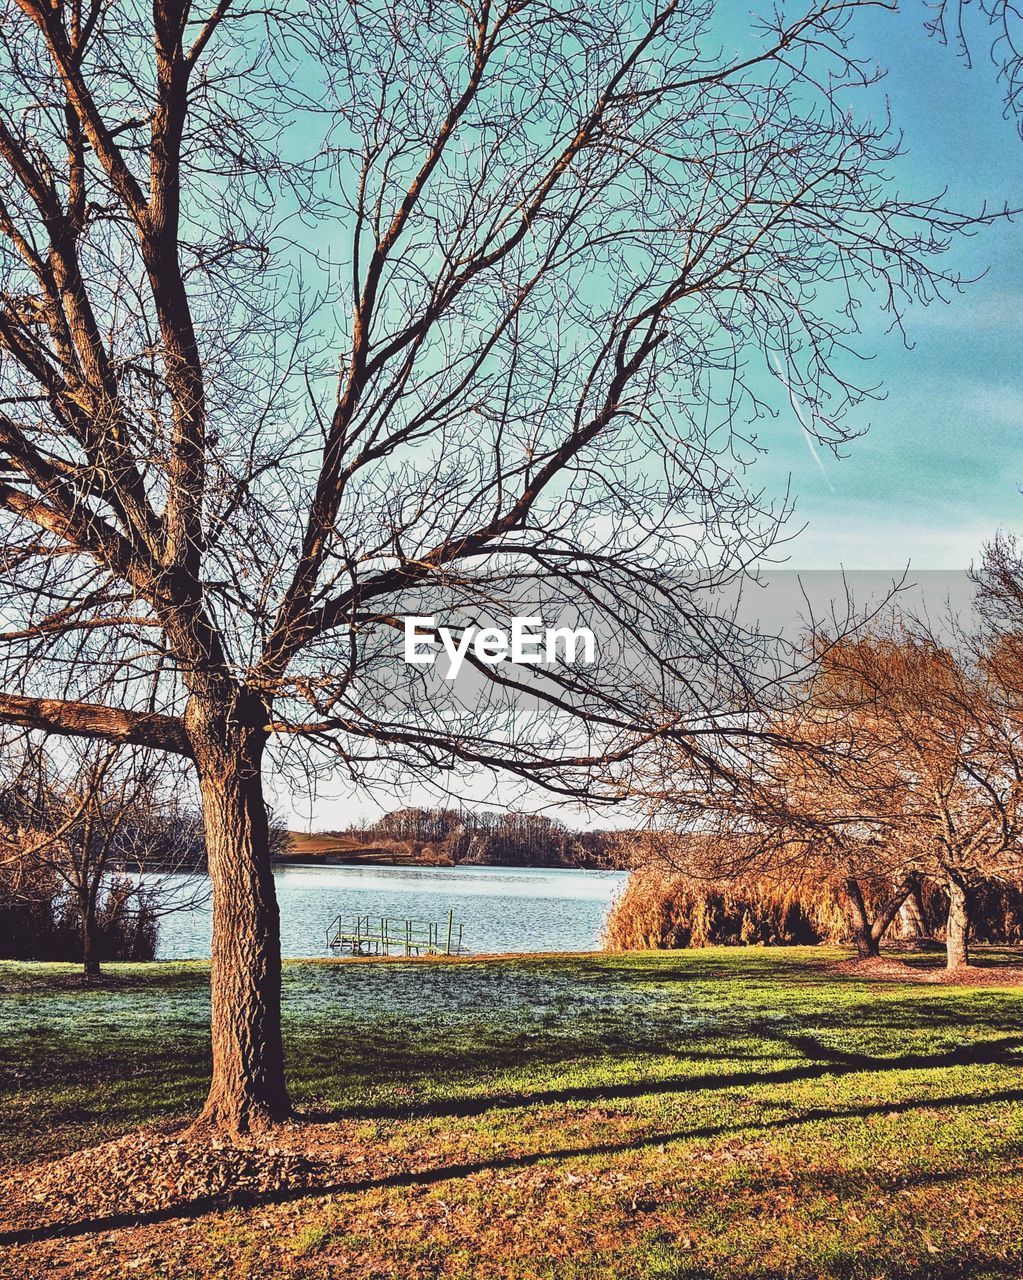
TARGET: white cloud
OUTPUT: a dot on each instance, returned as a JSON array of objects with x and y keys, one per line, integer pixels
[{"x": 883, "y": 538}]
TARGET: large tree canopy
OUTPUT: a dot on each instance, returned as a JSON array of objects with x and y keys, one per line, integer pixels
[{"x": 317, "y": 315}]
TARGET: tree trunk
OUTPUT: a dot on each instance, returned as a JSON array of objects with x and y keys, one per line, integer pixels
[
  {"x": 912, "y": 919},
  {"x": 957, "y": 930},
  {"x": 248, "y": 1089},
  {"x": 866, "y": 935},
  {"x": 87, "y": 916},
  {"x": 859, "y": 924}
]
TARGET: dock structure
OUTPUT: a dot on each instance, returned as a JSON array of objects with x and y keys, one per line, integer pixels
[{"x": 391, "y": 936}]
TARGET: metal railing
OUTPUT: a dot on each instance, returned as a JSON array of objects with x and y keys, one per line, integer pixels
[{"x": 390, "y": 935}]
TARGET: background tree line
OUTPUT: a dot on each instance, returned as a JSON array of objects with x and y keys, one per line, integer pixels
[{"x": 454, "y": 836}]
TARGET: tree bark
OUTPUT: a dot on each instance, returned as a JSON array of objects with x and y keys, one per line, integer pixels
[
  {"x": 957, "y": 929},
  {"x": 866, "y": 943},
  {"x": 867, "y": 935},
  {"x": 248, "y": 1090},
  {"x": 912, "y": 918},
  {"x": 87, "y": 916}
]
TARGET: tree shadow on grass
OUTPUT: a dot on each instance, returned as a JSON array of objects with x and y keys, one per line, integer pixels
[
  {"x": 385, "y": 1056},
  {"x": 824, "y": 1060},
  {"x": 444, "y": 1173},
  {"x": 92, "y": 1078}
]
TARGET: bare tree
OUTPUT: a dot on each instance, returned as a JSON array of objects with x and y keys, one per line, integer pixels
[
  {"x": 312, "y": 317},
  {"x": 838, "y": 794},
  {"x": 95, "y": 823},
  {"x": 928, "y": 766}
]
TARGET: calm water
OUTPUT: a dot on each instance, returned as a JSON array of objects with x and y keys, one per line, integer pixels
[{"x": 500, "y": 908}]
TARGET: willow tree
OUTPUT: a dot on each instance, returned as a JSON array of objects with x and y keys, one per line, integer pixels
[
  {"x": 923, "y": 767},
  {"x": 315, "y": 316},
  {"x": 840, "y": 795}
]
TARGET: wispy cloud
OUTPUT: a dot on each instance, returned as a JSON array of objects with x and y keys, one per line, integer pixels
[{"x": 997, "y": 311}]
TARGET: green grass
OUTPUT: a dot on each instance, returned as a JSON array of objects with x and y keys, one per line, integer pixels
[{"x": 736, "y": 1113}]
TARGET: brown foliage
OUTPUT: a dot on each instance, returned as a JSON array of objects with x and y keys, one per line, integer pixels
[{"x": 662, "y": 911}]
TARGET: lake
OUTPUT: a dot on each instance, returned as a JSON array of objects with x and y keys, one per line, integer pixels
[{"x": 499, "y": 908}]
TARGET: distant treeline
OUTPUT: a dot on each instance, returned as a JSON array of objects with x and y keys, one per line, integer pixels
[{"x": 453, "y": 837}]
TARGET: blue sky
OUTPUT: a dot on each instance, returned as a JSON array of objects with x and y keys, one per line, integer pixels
[{"x": 940, "y": 468}]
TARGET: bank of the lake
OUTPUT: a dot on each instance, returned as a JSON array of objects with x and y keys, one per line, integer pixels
[
  {"x": 745, "y": 1114},
  {"x": 500, "y": 909}
]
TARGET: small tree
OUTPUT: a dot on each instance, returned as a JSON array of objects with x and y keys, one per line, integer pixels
[
  {"x": 92, "y": 824},
  {"x": 837, "y": 795}
]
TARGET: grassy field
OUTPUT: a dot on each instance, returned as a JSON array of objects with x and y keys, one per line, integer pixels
[{"x": 740, "y": 1113}]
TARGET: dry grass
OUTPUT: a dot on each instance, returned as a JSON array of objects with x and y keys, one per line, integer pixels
[{"x": 662, "y": 910}]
